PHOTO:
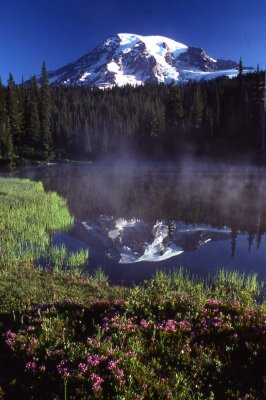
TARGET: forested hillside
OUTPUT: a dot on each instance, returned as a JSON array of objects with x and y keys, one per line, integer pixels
[{"x": 216, "y": 117}]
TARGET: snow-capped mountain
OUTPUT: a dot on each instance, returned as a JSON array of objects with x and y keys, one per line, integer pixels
[
  {"x": 132, "y": 241},
  {"x": 134, "y": 59}
]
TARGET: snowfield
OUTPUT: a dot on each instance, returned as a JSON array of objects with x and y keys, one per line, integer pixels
[{"x": 133, "y": 59}]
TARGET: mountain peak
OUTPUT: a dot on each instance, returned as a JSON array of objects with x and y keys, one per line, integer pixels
[
  {"x": 127, "y": 58},
  {"x": 150, "y": 41}
]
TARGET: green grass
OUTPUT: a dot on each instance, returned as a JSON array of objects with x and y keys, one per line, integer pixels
[
  {"x": 63, "y": 261},
  {"x": 28, "y": 217}
]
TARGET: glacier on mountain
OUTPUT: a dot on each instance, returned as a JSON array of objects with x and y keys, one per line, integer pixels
[{"x": 134, "y": 59}]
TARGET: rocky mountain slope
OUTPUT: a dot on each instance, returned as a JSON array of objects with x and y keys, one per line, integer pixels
[{"x": 134, "y": 59}]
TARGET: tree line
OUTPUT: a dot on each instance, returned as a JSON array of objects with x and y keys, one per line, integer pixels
[{"x": 221, "y": 116}]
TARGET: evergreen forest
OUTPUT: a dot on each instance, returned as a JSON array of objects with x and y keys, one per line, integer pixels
[{"x": 218, "y": 117}]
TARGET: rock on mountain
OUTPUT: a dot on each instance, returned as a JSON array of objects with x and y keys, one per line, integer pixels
[{"x": 134, "y": 59}]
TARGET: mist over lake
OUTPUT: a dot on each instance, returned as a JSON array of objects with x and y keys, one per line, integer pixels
[{"x": 138, "y": 217}]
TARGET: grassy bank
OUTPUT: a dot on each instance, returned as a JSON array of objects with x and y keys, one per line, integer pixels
[
  {"x": 28, "y": 216},
  {"x": 69, "y": 336},
  {"x": 32, "y": 270}
]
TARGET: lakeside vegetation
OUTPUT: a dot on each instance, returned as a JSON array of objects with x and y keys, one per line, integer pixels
[
  {"x": 65, "y": 335},
  {"x": 218, "y": 117},
  {"x": 28, "y": 216},
  {"x": 32, "y": 269}
]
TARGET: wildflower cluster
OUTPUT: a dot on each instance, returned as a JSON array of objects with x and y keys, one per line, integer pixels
[{"x": 164, "y": 356}]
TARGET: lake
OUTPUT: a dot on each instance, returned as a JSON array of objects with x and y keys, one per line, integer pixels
[{"x": 136, "y": 218}]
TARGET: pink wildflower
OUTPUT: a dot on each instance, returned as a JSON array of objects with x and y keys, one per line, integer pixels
[
  {"x": 144, "y": 386},
  {"x": 93, "y": 360},
  {"x": 34, "y": 341},
  {"x": 119, "y": 373},
  {"x": 96, "y": 382},
  {"x": 113, "y": 364},
  {"x": 185, "y": 326},
  {"x": 144, "y": 323},
  {"x": 31, "y": 366},
  {"x": 83, "y": 367}
]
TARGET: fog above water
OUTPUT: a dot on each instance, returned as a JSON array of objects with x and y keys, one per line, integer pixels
[
  {"x": 209, "y": 193},
  {"x": 203, "y": 215}
]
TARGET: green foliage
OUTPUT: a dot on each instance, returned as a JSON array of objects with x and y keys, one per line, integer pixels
[
  {"x": 143, "y": 346},
  {"x": 100, "y": 277},
  {"x": 14, "y": 111},
  {"x": 42, "y": 121},
  {"x": 234, "y": 286},
  {"x": 166, "y": 289},
  {"x": 28, "y": 216},
  {"x": 45, "y": 112},
  {"x": 63, "y": 261},
  {"x": 32, "y": 115}
]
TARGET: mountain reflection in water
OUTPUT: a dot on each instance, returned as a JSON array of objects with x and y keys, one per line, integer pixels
[{"x": 136, "y": 218}]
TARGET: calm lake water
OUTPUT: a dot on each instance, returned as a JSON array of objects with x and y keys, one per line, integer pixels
[{"x": 136, "y": 218}]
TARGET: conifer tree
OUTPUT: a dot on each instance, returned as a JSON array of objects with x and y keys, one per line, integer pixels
[
  {"x": 240, "y": 67},
  {"x": 14, "y": 111},
  {"x": 6, "y": 140},
  {"x": 79, "y": 120},
  {"x": 34, "y": 131},
  {"x": 234, "y": 234},
  {"x": 45, "y": 112},
  {"x": 22, "y": 92},
  {"x": 174, "y": 108},
  {"x": 198, "y": 107}
]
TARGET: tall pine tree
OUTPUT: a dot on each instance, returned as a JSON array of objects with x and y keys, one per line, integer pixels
[
  {"x": 14, "y": 112},
  {"x": 6, "y": 140},
  {"x": 33, "y": 119},
  {"x": 45, "y": 113}
]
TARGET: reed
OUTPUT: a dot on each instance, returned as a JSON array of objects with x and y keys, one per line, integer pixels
[{"x": 28, "y": 217}]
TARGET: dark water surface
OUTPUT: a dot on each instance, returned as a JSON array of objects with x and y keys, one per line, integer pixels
[{"x": 137, "y": 218}]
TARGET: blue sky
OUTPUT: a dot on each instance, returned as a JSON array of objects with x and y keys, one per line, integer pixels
[{"x": 60, "y": 31}]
